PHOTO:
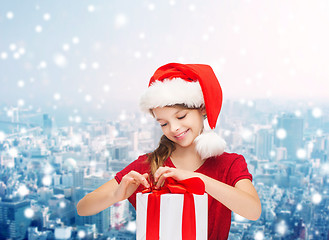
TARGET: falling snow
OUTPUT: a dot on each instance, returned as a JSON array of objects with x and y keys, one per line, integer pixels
[
  {"x": 259, "y": 235},
  {"x": 81, "y": 234},
  {"x": 20, "y": 83},
  {"x": 47, "y": 180},
  {"x": 281, "y": 228},
  {"x": 10, "y": 15},
  {"x": 120, "y": 20},
  {"x": 48, "y": 57},
  {"x": 60, "y": 60},
  {"x": 29, "y": 213},
  {"x": 281, "y": 133},
  {"x": 57, "y": 96},
  {"x": 317, "y": 112},
  {"x": 301, "y": 154},
  {"x": 316, "y": 198},
  {"x": 38, "y": 29},
  {"x": 23, "y": 190},
  {"x": 75, "y": 40},
  {"x": 46, "y": 16}
]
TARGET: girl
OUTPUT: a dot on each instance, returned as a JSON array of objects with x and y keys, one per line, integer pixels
[{"x": 180, "y": 97}]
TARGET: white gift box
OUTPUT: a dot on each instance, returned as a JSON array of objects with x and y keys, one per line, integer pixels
[{"x": 171, "y": 213}]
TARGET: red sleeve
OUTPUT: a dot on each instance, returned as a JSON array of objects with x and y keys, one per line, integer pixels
[
  {"x": 140, "y": 165},
  {"x": 238, "y": 170}
]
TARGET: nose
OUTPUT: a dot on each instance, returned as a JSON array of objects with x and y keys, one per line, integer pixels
[{"x": 174, "y": 127}]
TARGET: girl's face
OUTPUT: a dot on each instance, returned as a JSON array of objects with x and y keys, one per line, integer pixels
[{"x": 180, "y": 125}]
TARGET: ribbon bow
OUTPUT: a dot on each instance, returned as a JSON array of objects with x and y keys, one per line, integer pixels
[{"x": 188, "y": 187}]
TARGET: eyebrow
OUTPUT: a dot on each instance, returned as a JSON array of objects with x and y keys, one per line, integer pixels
[{"x": 158, "y": 119}]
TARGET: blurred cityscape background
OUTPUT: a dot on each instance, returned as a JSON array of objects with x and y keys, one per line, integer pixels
[
  {"x": 46, "y": 169},
  {"x": 71, "y": 73}
]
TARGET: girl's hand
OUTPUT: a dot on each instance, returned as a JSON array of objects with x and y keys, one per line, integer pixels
[
  {"x": 178, "y": 174},
  {"x": 129, "y": 183}
]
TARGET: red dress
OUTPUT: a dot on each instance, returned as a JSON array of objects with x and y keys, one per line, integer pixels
[{"x": 228, "y": 168}]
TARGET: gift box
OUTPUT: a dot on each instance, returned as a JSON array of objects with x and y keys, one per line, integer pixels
[{"x": 162, "y": 214}]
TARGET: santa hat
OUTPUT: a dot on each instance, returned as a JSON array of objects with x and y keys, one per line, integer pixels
[{"x": 194, "y": 85}]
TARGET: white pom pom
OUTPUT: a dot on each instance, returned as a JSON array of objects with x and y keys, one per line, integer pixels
[{"x": 209, "y": 144}]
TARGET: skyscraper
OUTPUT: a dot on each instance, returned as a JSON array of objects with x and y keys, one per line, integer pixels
[
  {"x": 264, "y": 142},
  {"x": 12, "y": 219},
  {"x": 47, "y": 124},
  {"x": 289, "y": 134}
]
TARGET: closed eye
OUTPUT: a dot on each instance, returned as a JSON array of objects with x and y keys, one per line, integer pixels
[
  {"x": 182, "y": 117},
  {"x": 163, "y": 125}
]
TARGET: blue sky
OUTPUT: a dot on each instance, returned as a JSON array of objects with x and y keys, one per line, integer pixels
[{"x": 97, "y": 56}]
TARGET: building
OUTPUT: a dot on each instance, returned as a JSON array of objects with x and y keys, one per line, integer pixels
[
  {"x": 14, "y": 223},
  {"x": 264, "y": 143},
  {"x": 292, "y": 137}
]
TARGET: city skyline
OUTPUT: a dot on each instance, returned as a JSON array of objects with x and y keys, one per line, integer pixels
[{"x": 46, "y": 170}]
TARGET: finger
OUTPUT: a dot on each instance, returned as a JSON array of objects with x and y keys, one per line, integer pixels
[
  {"x": 139, "y": 178},
  {"x": 163, "y": 178},
  {"x": 146, "y": 175},
  {"x": 159, "y": 172}
]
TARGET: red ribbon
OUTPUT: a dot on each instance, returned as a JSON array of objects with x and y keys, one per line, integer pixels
[{"x": 188, "y": 187}]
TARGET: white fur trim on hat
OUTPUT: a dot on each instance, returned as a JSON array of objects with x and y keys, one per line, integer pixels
[
  {"x": 209, "y": 144},
  {"x": 171, "y": 92}
]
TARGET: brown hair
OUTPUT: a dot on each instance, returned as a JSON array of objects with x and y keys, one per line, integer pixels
[{"x": 160, "y": 155}]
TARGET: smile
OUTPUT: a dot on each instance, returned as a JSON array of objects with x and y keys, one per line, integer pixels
[{"x": 181, "y": 135}]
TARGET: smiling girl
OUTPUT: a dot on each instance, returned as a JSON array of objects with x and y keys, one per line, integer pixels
[{"x": 180, "y": 97}]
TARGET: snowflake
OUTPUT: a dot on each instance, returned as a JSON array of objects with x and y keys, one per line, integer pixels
[
  {"x": 259, "y": 235},
  {"x": 2, "y": 136},
  {"x": 299, "y": 207},
  {"x": 91, "y": 8},
  {"x": 120, "y": 20},
  {"x": 29, "y": 213},
  {"x": 95, "y": 65},
  {"x": 4, "y": 55},
  {"x": 281, "y": 133},
  {"x": 75, "y": 40},
  {"x": 317, "y": 112},
  {"x": 13, "y": 152},
  {"x": 281, "y": 228},
  {"x": 81, "y": 233},
  {"x": 151, "y": 6},
  {"x": 10, "y": 15},
  {"x": 66, "y": 47},
  {"x": 21, "y": 83},
  {"x": 319, "y": 132},
  {"x": 83, "y": 66},
  {"x": 42, "y": 64},
  {"x": 62, "y": 204},
  {"x": 137, "y": 54},
  {"x": 316, "y": 198},
  {"x": 142, "y": 35},
  {"x": 106, "y": 88},
  {"x": 60, "y": 60},
  {"x": 47, "y": 180},
  {"x": 301, "y": 153},
  {"x": 77, "y": 119},
  {"x": 38, "y": 29},
  {"x": 23, "y": 190},
  {"x": 57, "y": 96},
  {"x": 88, "y": 98},
  {"x": 46, "y": 16},
  {"x": 20, "y": 102},
  {"x": 192, "y": 7},
  {"x": 172, "y": 2}
]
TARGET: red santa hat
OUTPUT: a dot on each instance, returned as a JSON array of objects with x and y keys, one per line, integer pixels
[{"x": 194, "y": 85}]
